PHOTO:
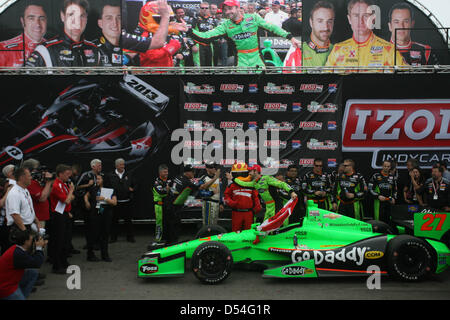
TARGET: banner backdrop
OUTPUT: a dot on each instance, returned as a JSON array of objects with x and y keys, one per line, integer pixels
[
  {"x": 305, "y": 114},
  {"x": 150, "y": 120}
]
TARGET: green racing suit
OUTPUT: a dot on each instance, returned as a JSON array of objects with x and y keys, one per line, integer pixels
[
  {"x": 315, "y": 55},
  {"x": 262, "y": 186},
  {"x": 244, "y": 35}
]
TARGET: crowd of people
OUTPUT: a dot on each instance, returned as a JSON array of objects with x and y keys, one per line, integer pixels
[
  {"x": 41, "y": 205},
  {"x": 38, "y": 206}
]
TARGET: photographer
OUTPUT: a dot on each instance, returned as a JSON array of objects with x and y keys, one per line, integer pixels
[
  {"x": 18, "y": 266},
  {"x": 40, "y": 188}
]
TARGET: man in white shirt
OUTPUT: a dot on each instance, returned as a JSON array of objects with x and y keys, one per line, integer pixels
[
  {"x": 19, "y": 204},
  {"x": 276, "y": 16},
  {"x": 8, "y": 172}
]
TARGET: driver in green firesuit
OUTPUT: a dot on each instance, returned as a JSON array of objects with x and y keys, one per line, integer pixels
[
  {"x": 242, "y": 29},
  {"x": 261, "y": 184}
]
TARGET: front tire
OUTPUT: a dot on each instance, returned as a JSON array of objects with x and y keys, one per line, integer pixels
[
  {"x": 409, "y": 258},
  {"x": 211, "y": 262}
]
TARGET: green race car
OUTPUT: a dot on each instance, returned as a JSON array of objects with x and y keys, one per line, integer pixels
[{"x": 323, "y": 244}]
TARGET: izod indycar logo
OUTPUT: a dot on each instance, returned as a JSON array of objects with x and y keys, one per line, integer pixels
[
  {"x": 275, "y": 106},
  {"x": 317, "y": 107},
  {"x": 232, "y": 88},
  {"x": 192, "y": 88},
  {"x": 354, "y": 255},
  {"x": 315, "y": 144},
  {"x": 148, "y": 268},
  {"x": 195, "y": 106},
  {"x": 271, "y": 88},
  {"x": 275, "y": 144},
  {"x": 312, "y": 88},
  {"x": 310, "y": 125},
  {"x": 398, "y": 130},
  {"x": 231, "y": 125},
  {"x": 236, "y": 107}
]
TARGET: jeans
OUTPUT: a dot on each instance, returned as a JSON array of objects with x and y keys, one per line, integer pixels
[{"x": 25, "y": 285}]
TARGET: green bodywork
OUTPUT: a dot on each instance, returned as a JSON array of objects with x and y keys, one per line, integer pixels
[{"x": 322, "y": 238}]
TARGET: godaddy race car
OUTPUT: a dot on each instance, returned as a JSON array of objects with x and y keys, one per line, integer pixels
[{"x": 323, "y": 244}]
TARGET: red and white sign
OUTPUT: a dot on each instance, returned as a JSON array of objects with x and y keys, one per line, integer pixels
[{"x": 370, "y": 125}]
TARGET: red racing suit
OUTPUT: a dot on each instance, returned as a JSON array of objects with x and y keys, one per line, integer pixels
[
  {"x": 12, "y": 53},
  {"x": 244, "y": 203}
]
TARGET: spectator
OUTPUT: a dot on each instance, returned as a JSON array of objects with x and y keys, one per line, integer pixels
[
  {"x": 18, "y": 266},
  {"x": 251, "y": 8},
  {"x": 349, "y": 191},
  {"x": 276, "y": 16},
  {"x": 383, "y": 188},
  {"x": 203, "y": 23},
  {"x": 122, "y": 183},
  {"x": 4, "y": 230},
  {"x": 262, "y": 13},
  {"x": 411, "y": 189},
  {"x": 8, "y": 172},
  {"x": 61, "y": 198},
  {"x": 160, "y": 191},
  {"x": 436, "y": 190},
  {"x": 77, "y": 205},
  {"x": 40, "y": 188},
  {"x": 405, "y": 178},
  {"x": 293, "y": 25},
  {"x": 19, "y": 205},
  {"x": 101, "y": 214}
]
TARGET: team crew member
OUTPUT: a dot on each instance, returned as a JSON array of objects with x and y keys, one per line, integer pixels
[
  {"x": 18, "y": 49},
  {"x": 109, "y": 42},
  {"x": 181, "y": 188},
  {"x": 436, "y": 191},
  {"x": 316, "y": 185},
  {"x": 69, "y": 49},
  {"x": 242, "y": 29},
  {"x": 317, "y": 48},
  {"x": 349, "y": 190},
  {"x": 244, "y": 202},
  {"x": 161, "y": 188},
  {"x": 203, "y": 23},
  {"x": 383, "y": 187},
  {"x": 211, "y": 188},
  {"x": 61, "y": 197},
  {"x": 364, "y": 48},
  {"x": 294, "y": 181},
  {"x": 261, "y": 184},
  {"x": 401, "y": 16}
]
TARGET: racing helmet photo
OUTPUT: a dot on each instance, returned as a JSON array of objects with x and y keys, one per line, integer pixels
[{"x": 149, "y": 18}]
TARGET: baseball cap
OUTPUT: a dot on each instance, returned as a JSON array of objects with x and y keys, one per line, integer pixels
[
  {"x": 230, "y": 3},
  {"x": 276, "y": 2},
  {"x": 255, "y": 167}
]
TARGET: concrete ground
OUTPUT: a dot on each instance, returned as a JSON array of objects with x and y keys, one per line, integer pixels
[{"x": 117, "y": 280}]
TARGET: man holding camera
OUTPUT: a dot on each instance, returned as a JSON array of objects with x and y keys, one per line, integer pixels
[{"x": 18, "y": 266}]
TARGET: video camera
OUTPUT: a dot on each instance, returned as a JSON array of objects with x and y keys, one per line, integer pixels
[{"x": 39, "y": 175}]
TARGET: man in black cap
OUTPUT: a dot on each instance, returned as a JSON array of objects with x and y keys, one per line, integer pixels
[{"x": 180, "y": 189}]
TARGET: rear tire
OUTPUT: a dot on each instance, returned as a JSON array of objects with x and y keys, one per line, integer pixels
[
  {"x": 210, "y": 230},
  {"x": 211, "y": 262},
  {"x": 409, "y": 258}
]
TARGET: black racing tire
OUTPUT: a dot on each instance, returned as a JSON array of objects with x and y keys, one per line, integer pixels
[
  {"x": 382, "y": 227},
  {"x": 410, "y": 258},
  {"x": 210, "y": 230},
  {"x": 211, "y": 262}
]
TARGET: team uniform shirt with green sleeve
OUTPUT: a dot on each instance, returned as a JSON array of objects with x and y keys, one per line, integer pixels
[
  {"x": 244, "y": 34},
  {"x": 315, "y": 55}
]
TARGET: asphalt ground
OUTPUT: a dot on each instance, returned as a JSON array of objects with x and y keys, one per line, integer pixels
[{"x": 118, "y": 280}]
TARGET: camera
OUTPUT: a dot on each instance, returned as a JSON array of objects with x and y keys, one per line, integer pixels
[{"x": 39, "y": 175}]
